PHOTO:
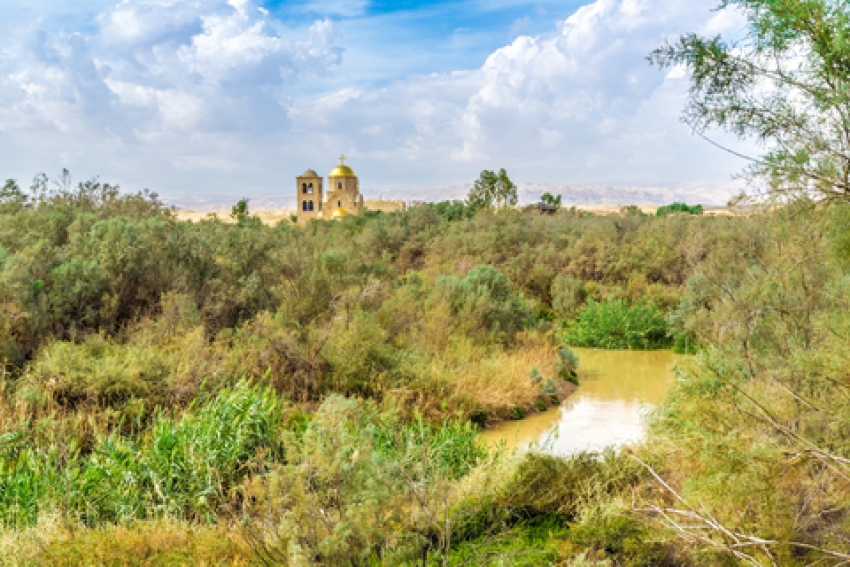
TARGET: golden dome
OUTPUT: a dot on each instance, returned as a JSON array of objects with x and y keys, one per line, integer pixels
[
  {"x": 339, "y": 213},
  {"x": 342, "y": 170}
]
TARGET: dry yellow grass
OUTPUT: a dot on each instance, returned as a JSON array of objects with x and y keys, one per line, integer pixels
[
  {"x": 54, "y": 543},
  {"x": 269, "y": 217},
  {"x": 646, "y": 209},
  {"x": 500, "y": 382},
  {"x": 273, "y": 216}
]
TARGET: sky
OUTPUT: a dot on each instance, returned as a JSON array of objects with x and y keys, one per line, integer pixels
[{"x": 219, "y": 99}]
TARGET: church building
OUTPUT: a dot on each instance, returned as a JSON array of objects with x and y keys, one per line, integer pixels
[{"x": 341, "y": 198}]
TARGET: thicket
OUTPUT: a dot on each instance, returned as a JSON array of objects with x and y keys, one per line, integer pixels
[
  {"x": 311, "y": 393},
  {"x": 751, "y": 447},
  {"x": 176, "y": 373},
  {"x": 615, "y": 324}
]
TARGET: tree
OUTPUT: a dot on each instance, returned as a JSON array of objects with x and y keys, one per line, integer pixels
[
  {"x": 678, "y": 208},
  {"x": 550, "y": 199},
  {"x": 12, "y": 198},
  {"x": 239, "y": 210},
  {"x": 784, "y": 85},
  {"x": 492, "y": 189}
]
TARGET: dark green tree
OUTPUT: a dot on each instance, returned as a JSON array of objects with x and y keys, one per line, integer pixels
[
  {"x": 239, "y": 210},
  {"x": 551, "y": 199},
  {"x": 678, "y": 208},
  {"x": 785, "y": 85}
]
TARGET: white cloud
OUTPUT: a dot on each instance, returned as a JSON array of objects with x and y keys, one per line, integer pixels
[
  {"x": 162, "y": 65},
  {"x": 580, "y": 105},
  {"x": 198, "y": 95}
]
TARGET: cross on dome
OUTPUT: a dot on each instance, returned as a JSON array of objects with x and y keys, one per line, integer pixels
[{"x": 342, "y": 159}]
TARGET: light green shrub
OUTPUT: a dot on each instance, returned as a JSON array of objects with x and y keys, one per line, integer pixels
[{"x": 617, "y": 325}]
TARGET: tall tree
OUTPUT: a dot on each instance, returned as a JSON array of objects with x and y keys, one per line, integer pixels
[
  {"x": 483, "y": 192},
  {"x": 506, "y": 195},
  {"x": 786, "y": 84},
  {"x": 492, "y": 189},
  {"x": 239, "y": 210}
]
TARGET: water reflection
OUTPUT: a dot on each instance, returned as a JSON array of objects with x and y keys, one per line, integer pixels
[{"x": 617, "y": 389}]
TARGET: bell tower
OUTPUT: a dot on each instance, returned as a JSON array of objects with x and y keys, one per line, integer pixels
[{"x": 308, "y": 195}]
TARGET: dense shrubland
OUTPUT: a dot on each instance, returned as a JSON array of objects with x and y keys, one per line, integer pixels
[
  {"x": 312, "y": 394},
  {"x": 190, "y": 373}
]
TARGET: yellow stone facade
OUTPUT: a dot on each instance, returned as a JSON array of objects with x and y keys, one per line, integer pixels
[{"x": 341, "y": 198}]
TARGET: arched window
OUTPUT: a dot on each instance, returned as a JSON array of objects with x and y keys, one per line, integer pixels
[
  {"x": 303, "y": 205},
  {"x": 339, "y": 185},
  {"x": 311, "y": 206},
  {"x": 310, "y": 188},
  {"x": 304, "y": 188},
  {"x": 339, "y": 203}
]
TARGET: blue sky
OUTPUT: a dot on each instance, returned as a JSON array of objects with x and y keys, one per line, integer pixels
[{"x": 216, "y": 99}]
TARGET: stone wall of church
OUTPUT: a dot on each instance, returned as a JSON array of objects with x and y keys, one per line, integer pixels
[
  {"x": 385, "y": 205},
  {"x": 343, "y": 192}
]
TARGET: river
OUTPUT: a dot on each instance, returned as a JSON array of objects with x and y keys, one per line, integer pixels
[{"x": 616, "y": 390}]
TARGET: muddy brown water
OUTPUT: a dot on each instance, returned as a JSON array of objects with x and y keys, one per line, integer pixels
[{"x": 617, "y": 389}]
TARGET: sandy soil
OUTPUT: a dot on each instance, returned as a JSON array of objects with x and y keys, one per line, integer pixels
[
  {"x": 269, "y": 217},
  {"x": 273, "y": 216},
  {"x": 648, "y": 209}
]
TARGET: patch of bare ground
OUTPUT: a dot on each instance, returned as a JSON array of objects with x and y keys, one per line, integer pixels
[
  {"x": 269, "y": 217},
  {"x": 274, "y": 216},
  {"x": 646, "y": 209}
]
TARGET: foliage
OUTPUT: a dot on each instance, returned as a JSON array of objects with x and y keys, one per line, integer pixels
[
  {"x": 569, "y": 295},
  {"x": 550, "y": 199},
  {"x": 154, "y": 543},
  {"x": 679, "y": 208},
  {"x": 568, "y": 365},
  {"x": 378, "y": 486},
  {"x": 492, "y": 190},
  {"x": 182, "y": 468},
  {"x": 618, "y": 325},
  {"x": 783, "y": 84},
  {"x": 454, "y": 210},
  {"x": 483, "y": 301},
  {"x": 753, "y": 420},
  {"x": 239, "y": 210}
]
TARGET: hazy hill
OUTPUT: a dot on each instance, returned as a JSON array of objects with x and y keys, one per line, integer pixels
[{"x": 573, "y": 194}]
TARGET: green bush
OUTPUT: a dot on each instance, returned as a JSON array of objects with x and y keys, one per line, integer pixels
[
  {"x": 679, "y": 208},
  {"x": 454, "y": 210},
  {"x": 685, "y": 343},
  {"x": 615, "y": 324},
  {"x": 568, "y": 365},
  {"x": 184, "y": 468},
  {"x": 485, "y": 300},
  {"x": 568, "y": 296}
]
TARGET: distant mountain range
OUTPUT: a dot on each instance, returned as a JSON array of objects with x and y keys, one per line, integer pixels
[{"x": 571, "y": 194}]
